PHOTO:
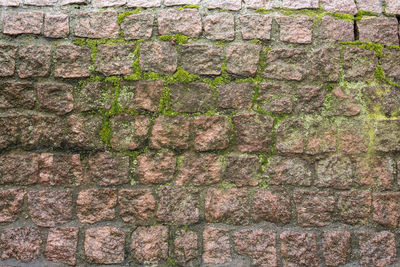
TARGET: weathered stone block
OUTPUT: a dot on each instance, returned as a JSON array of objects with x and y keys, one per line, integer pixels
[
  {"x": 61, "y": 245},
  {"x": 236, "y": 96},
  {"x": 94, "y": 96},
  {"x": 150, "y": 244},
  {"x": 129, "y": 132},
  {"x": 372, "y": 5},
  {"x": 83, "y": 132},
  {"x": 211, "y": 133},
  {"x": 299, "y": 249},
  {"x": 11, "y": 201},
  {"x": 335, "y": 171},
  {"x": 94, "y": 205},
  {"x": 142, "y": 95},
  {"x": 56, "y": 25},
  {"x": 300, "y": 4},
  {"x": 242, "y": 170},
  {"x": 35, "y": 61},
  {"x": 386, "y": 208},
  {"x": 143, "y": 3},
  {"x": 271, "y": 206},
  {"x": 94, "y": 24},
  {"x": 17, "y": 95},
  {"x": 220, "y": 26},
  {"x": 19, "y": 168},
  {"x": 22, "y": 243},
  {"x": 337, "y": 29},
  {"x": 72, "y": 61},
  {"x": 377, "y": 249},
  {"x": 339, "y": 6},
  {"x": 242, "y": 59},
  {"x": 290, "y": 171},
  {"x": 225, "y": 4},
  {"x": 56, "y": 97},
  {"x": 336, "y": 247},
  {"x": 155, "y": 168},
  {"x": 115, "y": 59},
  {"x": 295, "y": 29},
  {"x": 186, "y": 97},
  {"x": 138, "y": 26},
  {"x": 186, "y": 22},
  {"x": 22, "y": 22},
  {"x": 202, "y": 59},
  {"x": 359, "y": 64},
  {"x": 158, "y": 57},
  {"x": 7, "y": 59},
  {"x": 106, "y": 168},
  {"x": 256, "y": 27},
  {"x": 379, "y": 30},
  {"x": 171, "y": 132},
  {"x": 354, "y": 207},
  {"x": 217, "y": 248},
  {"x": 186, "y": 247},
  {"x": 137, "y": 205},
  {"x": 60, "y": 169}
]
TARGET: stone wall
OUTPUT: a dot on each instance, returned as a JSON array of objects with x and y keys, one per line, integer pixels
[{"x": 199, "y": 133}]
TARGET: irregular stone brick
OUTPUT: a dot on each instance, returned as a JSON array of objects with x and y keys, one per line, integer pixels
[
  {"x": 129, "y": 132},
  {"x": 271, "y": 207},
  {"x": 158, "y": 57},
  {"x": 94, "y": 96},
  {"x": 186, "y": 22},
  {"x": 325, "y": 64},
  {"x": 185, "y": 246},
  {"x": 390, "y": 64},
  {"x": 138, "y": 26},
  {"x": 242, "y": 59},
  {"x": 339, "y": 6},
  {"x": 94, "y": 205},
  {"x": 50, "y": 208},
  {"x": 337, "y": 29},
  {"x": 171, "y": 132},
  {"x": 295, "y": 29},
  {"x": 289, "y": 171},
  {"x": 84, "y": 131},
  {"x": 235, "y": 95},
  {"x": 143, "y": 3},
  {"x": 313, "y": 208},
  {"x": 199, "y": 169},
  {"x": 258, "y": 244},
  {"x": 9, "y": 131},
  {"x": 386, "y": 135},
  {"x": 144, "y": 95},
  {"x": 181, "y": 2},
  {"x": 95, "y": 24},
  {"x": 253, "y": 132},
  {"x": 115, "y": 59},
  {"x": 275, "y": 98},
  {"x": 60, "y": 169},
  {"x": 23, "y": 22},
  {"x": 17, "y": 95},
  {"x": 150, "y": 244},
  {"x": 379, "y": 30},
  {"x": 155, "y": 168},
  {"x": 375, "y": 172},
  {"x": 310, "y": 98},
  {"x": 256, "y": 4},
  {"x": 35, "y": 61},
  {"x": 22, "y": 243},
  {"x": 56, "y": 97},
  {"x": 296, "y": 4},
  {"x": 202, "y": 59},
  {"x": 211, "y": 133},
  {"x": 217, "y": 249},
  {"x": 299, "y": 249},
  {"x": 381, "y": 98},
  {"x": 377, "y": 249},
  {"x": 242, "y": 170},
  {"x": 185, "y": 97},
  {"x": 178, "y": 206},
  {"x": 107, "y": 168},
  {"x": 352, "y": 137},
  {"x": 7, "y": 59},
  {"x": 285, "y": 64},
  {"x": 19, "y": 168},
  {"x": 56, "y": 25},
  {"x": 61, "y": 245},
  {"x": 386, "y": 209},
  {"x": 371, "y": 5},
  {"x": 354, "y": 207},
  {"x": 219, "y": 26},
  {"x": 40, "y": 2},
  {"x": 359, "y": 64},
  {"x": 392, "y": 7},
  {"x": 72, "y": 61},
  {"x": 108, "y": 3},
  {"x": 256, "y": 27},
  {"x": 335, "y": 171},
  {"x": 321, "y": 138},
  {"x": 11, "y": 201},
  {"x": 9, "y": 3},
  {"x": 104, "y": 245},
  {"x": 229, "y": 206},
  {"x": 336, "y": 247},
  {"x": 344, "y": 102},
  {"x": 136, "y": 205},
  {"x": 71, "y": 2},
  {"x": 225, "y": 4}
]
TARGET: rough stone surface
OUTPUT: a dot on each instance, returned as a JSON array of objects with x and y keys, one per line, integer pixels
[
  {"x": 7, "y": 59},
  {"x": 387, "y": 135},
  {"x": 56, "y": 25},
  {"x": 242, "y": 59},
  {"x": 115, "y": 59},
  {"x": 138, "y": 26},
  {"x": 108, "y": 3},
  {"x": 379, "y": 30},
  {"x": 386, "y": 207},
  {"x": 60, "y": 169},
  {"x": 290, "y": 171},
  {"x": 150, "y": 244},
  {"x": 354, "y": 207},
  {"x": 275, "y": 98},
  {"x": 91, "y": 24},
  {"x": 271, "y": 206},
  {"x": 217, "y": 248},
  {"x": 185, "y": 246},
  {"x": 155, "y": 168},
  {"x": 109, "y": 168},
  {"x": 256, "y": 4},
  {"x": 140, "y": 95},
  {"x": 129, "y": 132},
  {"x": 392, "y": 7},
  {"x": 144, "y": 3},
  {"x": 290, "y": 136},
  {"x": 171, "y": 132},
  {"x": 242, "y": 170},
  {"x": 337, "y": 29},
  {"x": 300, "y": 4},
  {"x": 375, "y": 172},
  {"x": 377, "y": 249},
  {"x": 337, "y": 247},
  {"x": 285, "y": 64},
  {"x": 94, "y": 205},
  {"x": 225, "y": 4},
  {"x": 158, "y": 57},
  {"x": 72, "y": 61},
  {"x": 359, "y": 64},
  {"x": 186, "y": 22},
  {"x": 137, "y": 205},
  {"x": 56, "y": 97},
  {"x": 390, "y": 59},
  {"x": 61, "y": 245},
  {"x": 220, "y": 26},
  {"x": 40, "y": 2},
  {"x": 299, "y": 249},
  {"x": 22, "y": 243},
  {"x": 372, "y": 5},
  {"x": 202, "y": 59},
  {"x": 84, "y": 132},
  {"x": 339, "y": 6},
  {"x": 19, "y": 168},
  {"x": 295, "y": 29},
  {"x": 335, "y": 172},
  {"x": 325, "y": 65},
  {"x": 181, "y": 2},
  {"x": 16, "y": 23},
  {"x": 185, "y": 97},
  {"x": 11, "y": 201},
  {"x": 256, "y": 27},
  {"x": 94, "y": 96},
  {"x": 211, "y": 133},
  {"x": 17, "y": 95},
  {"x": 35, "y": 61},
  {"x": 235, "y": 96}
]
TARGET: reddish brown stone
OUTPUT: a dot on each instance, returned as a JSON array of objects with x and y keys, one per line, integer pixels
[
  {"x": 211, "y": 133},
  {"x": 61, "y": 245},
  {"x": 72, "y": 61},
  {"x": 185, "y": 97},
  {"x": 235, "y": 95},
  {"x": 94, "y": 96},
  {"x": 271, "y": 206},
  {"x": 295, "y": 29},
  {"x": 180, "y": 2},
  {"x": 242, "y": 59},
  {"x": 344, "y": 103},
  {"x": 228, "y": 206},
  {"x": 17, "y": 95},
  {"x": 56, "y": 97},
  {"x": 217, "y": 249},
  {"x": 104, "y": 245},
  {"x": 359, "y": 64},
  {"x": 242, "y": 170},
  {"x": 56, "y": 25},
  {"x": 11, "y": 201},
  {"x": 84, "y": 131},
  {"x": 325, "y": 64},
  {"x": 107, "y": 168},
  {"x": 108, "y": 3},
  {"x": 171, "y": 132},
  {"x": 155, "y": 168},
  {"x": 178, "y": 206},
  {"x": 354, "y": 207},
  {"x": 22, "y": 243},
  {"x": 136, "y": 205},
  {"x": 219, "y": 26},
  {"x": 337, "y": 29},
  {"x": 22, "y": 22},
  {"x": 94, "y": 205},
  {"x": 310, "y": 98},
  {"x": 256, "y": 26},
  {"x": 382, "y": 99},
  {"x": 150, "y": 244},
  {"x": 256, "y": 4},
  {"x": 299, "y": 249},
  {"x": 339, "y": 6},
  {"x": 19, "y": 168},
  {"x": 386, "y": 137},
  {"x": 290, "y": 171},
  {"x": 371, "y": 5},
  {"x": 185, "y": 246},
  {"x": 377, "y": 249},
  {"x": 115, "y": 59},
  {"x": 202, "y": 59},
  {"x": 300, "y": 4},
  {"x": 9, "y": 130},
  {"x": 335, "y": 171},
  {"x": 158, "y": 57},
  {"x": 313, "y": 208},
  {"x": 392, "y": 7},
  {"x": 258, "y": 244},
  {"x": 35, "y": 61},
  {"x": 275, "y": 98},
  {"x": 96, "y": 24},
  {"x": 129, "y": 132},
  {"x": 60, "y": 169},
  {"x": 378, "y": 30},
  {"x": 290, "y": 136},
  {"x": 353, "y": 137},
  {"x": 144, "y": 95},
  {"x": 375, "y": 172},
  {"x": 336, "y": 247},
  {"x": 321, "y": 137},
  {"x": 225, "y": 4},
  {"x": 186, "y": 22},
  {"x": 7, "y": 59},
  {"x": 138, "y": 26},
  {"x": 386, "y": 207},
  {"x": 144, "y": 3}
]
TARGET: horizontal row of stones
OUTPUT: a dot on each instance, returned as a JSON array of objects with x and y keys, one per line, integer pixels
[
  {"x": 220, "y": 244},
  {"x": 220, "y": 26}
]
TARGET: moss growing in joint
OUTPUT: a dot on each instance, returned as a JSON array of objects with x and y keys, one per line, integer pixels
[
  {"x": 189, "y": 6},
  {"x": 376, "y": 47},
  {"x": 123, "y": 15},
  {"x": 181, "y": 76},
  {"x": 105, "y": 132},
  {"x": 179, "y": 39}
]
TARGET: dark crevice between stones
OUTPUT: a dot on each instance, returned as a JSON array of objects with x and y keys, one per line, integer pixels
[{"x": 356, "y": 35}]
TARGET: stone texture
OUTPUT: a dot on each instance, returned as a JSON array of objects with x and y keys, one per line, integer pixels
[
  {"x": 271, "y": 206},
  {"x": 171, "y": 132},
  {"x": 310, "y": 98},
  {"x": 337, "y": 29},
  {"x": 334, "y": 172},
  {"x": 17, "y": 95},
  {"x": 336, "y": 248},
  {"x": 181, "y": 2},
  {"x": 242, "y": 59},
  {"x": 359, "y": 64},
  {"x": 242, "y": 170},
  {"x": 288, "y": 171},
  {"x": 390, "y": 64},
  {"x": 217, "y": 249},
  {"x": 211, "y": 133},
  {"x": 106, "y": 168},
  {"x": 94, "y": 96},
  {"x": 202, "y": 59},
  {"x": 143, "y": 3},
  {"x": 225, "y": 4},
  {"x": 220, "y": 26},
  {"x": 392, "y": 7},
  {"x": 185, "y": 246},
  {"x": 300, "y": 4},
  {"x": 379, "y": 30},
  {"x": 299, "y": 249},
  {"x": 275, "y": 98},
  {"x": 40, "y": 2},
  {"x": 11, "y": 201},
  {"x": 354, "y": 207},
  {"x": 84, "y": 132},
  {"x": 371, "y": 5},
  {"x": 285, "y": 64},
  {"x": 7, "y": 59},
  {"x": 72, "y": 61},
  {"x": 377, "y": 249},
  {"x": 115, "y": 59},
  {"x": 295, "y": 29},
  {"x": 290, "y": 136},
  {"x": 186, "y": 22},
  {"x": 339, "y": 6},
  {"x": 137, "y": 205},
  {"x": 108, "y": 3},
  {"x": 9, "y": 3},
  {"x": 352, "y": 137},
  {"x": 94, "y": 205},
  {"x": 94, "y": 24},
  {"x": 386, "y": 135},
  {"x": 138, "y": 26},
  {"x": 140, "y": 95},
  {"x": 386, "y": 207},
  {"x": 61, "y": 245},
  {"x": 321, "y": 137},
  {"x": 56, "y": 97},
  {"x": 185, "y": 97},
  {"x": 150, "y": 244},
  {"x": 235, "y": 95},
  {"x": 375, "y": 172},
  {"x": 256, "y": 26},
  {"x": 22, "y": 243},
  {"x": 258, "y": 244},
  {"x": 50, "y": 208},
  {"x": 344, "y": 102},
  {"x": 9, "y": 132},
  {"x": 19, "y": 168},
  {"x": 56, "y": 25},
  {"x": 129, "y": 132},
  {"x": 60, "y": 169},
  {"x": 158, "y": 57},
  {"x": 35, "y": 61},
  {"x": 16, "y": 23},
  {"x": 325, "y": 64},
  {"x": 104, "y": 245},
  {"x": 155, "y": 168},
  {"x": 256, "y": 4}
]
